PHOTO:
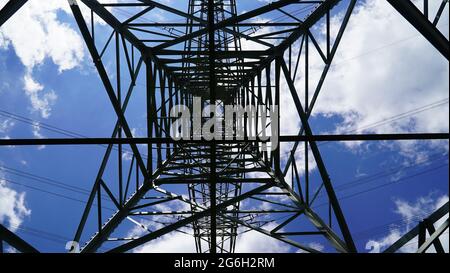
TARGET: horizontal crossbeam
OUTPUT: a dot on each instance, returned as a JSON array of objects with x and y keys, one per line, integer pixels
[{"x": 292, "y": 138}]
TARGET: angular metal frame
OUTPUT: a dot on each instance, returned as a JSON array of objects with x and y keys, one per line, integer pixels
[{"x": 215, "y": 171}]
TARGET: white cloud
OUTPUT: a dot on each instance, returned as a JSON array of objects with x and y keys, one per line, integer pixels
[
  {"x": 127, "y": 156},
  {"x": 4, "y": 43},
  {"x": 12, "y": 206},
  {"x": 6, "y": 125},
  {"x": 411, "y": 213},
  {"x": 36, "y": 34},
  {"x": 256, "y": 242},
  {"x": 174, "y": 242},
  {"x": 36, "y": 130},
  {"x": 249, "y": 242},
  {"x": 289, "y": 118},
  {"x": 314, "y": 245},
  {"x": 169, "y": 243},
  {"x": 39, "y": 102},
  {"x": 383, "y": 68},
  {"x": 31, "y": 85}
]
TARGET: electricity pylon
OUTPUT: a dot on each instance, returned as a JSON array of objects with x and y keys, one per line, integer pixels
[{"x": 214, "y": 189}]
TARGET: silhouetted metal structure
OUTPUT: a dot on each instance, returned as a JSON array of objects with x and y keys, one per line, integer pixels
[
  {"x": 15, "y": 241},
  {"x": 200, "y": 53},
  {"x": 420, "y": 232}
]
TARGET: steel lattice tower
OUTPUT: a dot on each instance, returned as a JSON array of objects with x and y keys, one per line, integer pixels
[{"x": 198, "y": 54}]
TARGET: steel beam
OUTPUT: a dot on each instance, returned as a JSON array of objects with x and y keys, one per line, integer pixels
[
  {"x": 320, "y": 164},
  {"x": 212, "y": 93},
  {"x": 168, "y": 140},
  {"x": 15, "y": 241},
  {"x": 310, "y": 105},
  {"x": 167, "y": 229},
  {"x": 414, "y": 232},
  {"x": 11, "y": 7},
  {"x": 106, "y": 82},
  {"x": 415, "y": 17}
]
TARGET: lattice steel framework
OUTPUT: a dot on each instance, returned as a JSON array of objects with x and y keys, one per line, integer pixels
[{"x": 199, "y": 53}]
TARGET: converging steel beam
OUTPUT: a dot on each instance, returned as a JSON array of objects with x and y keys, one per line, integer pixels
[
  {"x": 109, "y": 18},
  {"x": 434, "y": 238},
  {"x": 10, "y": 9},
  {"x": 414, "y": 232},
  {"x": 106, "y": 82},
  {"x": 15, "y": 241},
  {"x": 167, "y": 229},
  {"x": 411, "y": 13},
  {"x": 228, "y": 22},
  {"x": 203, "y": 57},
  {"x": 104, "y": 163},
  {"x": 212, "y": 93},
  {"x": 320, "y": 164},
  {"x": 105, "y": 230},
  {"x": 310, "y": 105}
]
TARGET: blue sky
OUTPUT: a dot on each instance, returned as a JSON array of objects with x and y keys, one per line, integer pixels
[{"x": 373, "y": 180}]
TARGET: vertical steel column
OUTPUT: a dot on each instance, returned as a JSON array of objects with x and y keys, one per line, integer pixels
[
  {"x": 277, "y": 159},
  {"x": 422, "y": 234},
  {"x": 306, "y": 37},
  {"x": 119, "y": 98},
  {"x": 150, "y": 89},
  {"x": 212, "y": 86}
]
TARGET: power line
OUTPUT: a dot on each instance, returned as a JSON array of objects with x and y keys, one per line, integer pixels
[
  {"x": 364, "y": 127},
  {"x": 398, "y": 223},
  {"x": 41, "y": 233},
  {"x": 55, "y": 129},
  {"x": 405, "y": 178},
  {"x": 42, "y": 179},
  {"x": 387, "y": 173},
  {"x": 390, "y": 119}
]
